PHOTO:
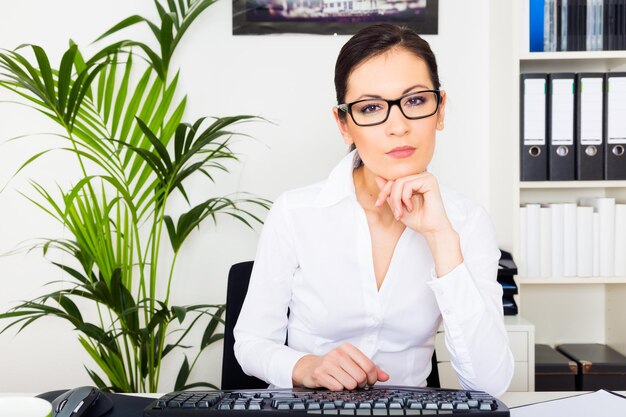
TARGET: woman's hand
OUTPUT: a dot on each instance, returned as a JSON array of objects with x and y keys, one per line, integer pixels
[
  {"x": 344, "y": 367},
  {"x": 416, "y": 201}
]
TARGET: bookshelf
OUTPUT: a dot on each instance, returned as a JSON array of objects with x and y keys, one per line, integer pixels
[{"x": 564, "y": 310}]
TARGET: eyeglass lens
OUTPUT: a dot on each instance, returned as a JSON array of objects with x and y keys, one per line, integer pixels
[{"x": 417, "y": 105}]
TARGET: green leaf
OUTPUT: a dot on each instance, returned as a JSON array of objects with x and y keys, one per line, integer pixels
[
  {"x": 97, "y": 380},
  {"x": 166, "y": 38},
  {"x": 109, "y": 88},
  {"x": 209, "y": 332},
  {"x": 121, "y": 96},
  {"x": 129, "y": 21},
  {"x": 180, "y": 313},
  {"x": 65, "y": 76},
  {"x": 183, "y": 375},
  {"x": 71, "y": 308},
  {"x": 46, "y": 73},
  {"x": 133, "y": 104},
  {"x": 166, "y": 162}
]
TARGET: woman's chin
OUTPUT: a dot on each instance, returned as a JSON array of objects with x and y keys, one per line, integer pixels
[{"x": 394, "y": 174}]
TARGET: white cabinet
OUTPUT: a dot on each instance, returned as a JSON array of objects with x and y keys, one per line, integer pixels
[{"x": 522, "y": 340}]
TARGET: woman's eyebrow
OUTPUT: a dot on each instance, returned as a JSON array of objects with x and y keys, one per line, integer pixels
[
  {"x": 422, "y": 86},
  {"x": 425, "y": 87}
]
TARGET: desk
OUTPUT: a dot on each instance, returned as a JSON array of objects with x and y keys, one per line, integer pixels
[{"x": 515, "y": 399}]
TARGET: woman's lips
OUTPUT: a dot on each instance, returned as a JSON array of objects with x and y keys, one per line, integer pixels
[{"x": 401, "y": 152}]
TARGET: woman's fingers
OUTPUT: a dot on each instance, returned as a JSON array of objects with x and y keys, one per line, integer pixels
[
  {"x": 363, "y": 362},
  {"x": 381, "y": 375},
  {"x": 346, "y": 367},
  {"x": 385, "y": 189}
]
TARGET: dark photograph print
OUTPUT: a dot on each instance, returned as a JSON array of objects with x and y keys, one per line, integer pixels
[{"x": 329, "y": 17}]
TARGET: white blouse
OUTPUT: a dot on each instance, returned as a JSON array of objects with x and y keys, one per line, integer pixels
[{"x": 314, "y": 258}]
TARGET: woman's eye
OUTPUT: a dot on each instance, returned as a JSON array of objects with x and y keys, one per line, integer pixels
[
  {"x": 415, "y": 100},
  {"x": 370, "y": 108}
]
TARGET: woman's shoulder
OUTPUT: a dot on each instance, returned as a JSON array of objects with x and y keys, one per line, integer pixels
[{"x": 305, "y": 196}]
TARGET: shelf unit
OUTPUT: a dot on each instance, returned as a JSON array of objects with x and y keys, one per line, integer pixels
[{"x": 573, "y": 309}]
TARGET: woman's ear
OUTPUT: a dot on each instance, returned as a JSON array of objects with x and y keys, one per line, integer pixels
[
  {"x": 441, "y": 113},
  {"x": 342, "y": 125}
]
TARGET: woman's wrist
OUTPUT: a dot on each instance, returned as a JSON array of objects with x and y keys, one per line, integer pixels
[
  {"x": 301, "y": 369},
  {"x": 445, "y": 247}
]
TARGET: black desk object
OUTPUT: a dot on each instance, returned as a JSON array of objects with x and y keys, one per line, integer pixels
[
  {"x": 374, "y": 401},
  {"x": 123, "y": 405},
  {"x": 599, "y": 366},
  {"x": 553, "y": 370}
]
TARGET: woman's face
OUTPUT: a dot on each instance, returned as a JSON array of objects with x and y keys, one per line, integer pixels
[{"x": 398, "y": 147}]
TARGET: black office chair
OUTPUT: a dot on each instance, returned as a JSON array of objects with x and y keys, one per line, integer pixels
[{"x": 233, "y": 376}]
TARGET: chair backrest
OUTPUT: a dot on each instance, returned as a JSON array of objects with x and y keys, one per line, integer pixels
[{"x": 233, "y": 376}]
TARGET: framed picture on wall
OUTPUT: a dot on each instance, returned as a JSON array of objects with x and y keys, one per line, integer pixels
[{"x": 328, "y": 17}]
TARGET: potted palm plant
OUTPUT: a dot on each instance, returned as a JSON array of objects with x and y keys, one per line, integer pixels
[{"x": 124, "y": 129}]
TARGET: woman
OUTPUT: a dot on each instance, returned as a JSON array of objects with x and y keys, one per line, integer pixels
[{"x": 369, "y": 262}]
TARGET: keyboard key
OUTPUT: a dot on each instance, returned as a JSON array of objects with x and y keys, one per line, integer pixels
[{"x": 313, "y": 405}]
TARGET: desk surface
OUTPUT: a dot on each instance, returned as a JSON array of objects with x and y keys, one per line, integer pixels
[{"x": 515, "y": 399}]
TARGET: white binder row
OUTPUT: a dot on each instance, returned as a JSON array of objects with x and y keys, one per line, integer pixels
[{"x": 570, "y": 240}]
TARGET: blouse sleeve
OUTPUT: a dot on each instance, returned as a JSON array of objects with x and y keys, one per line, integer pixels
[
  {"x": 261, "y": 329},
  {"x": 470, "y": 300}
]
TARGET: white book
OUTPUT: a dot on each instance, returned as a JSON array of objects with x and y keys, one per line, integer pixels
[
  {"x": 596, "y": 244},
  {"x": 620, "y": 240},
  {"x": 584, "y": 241},
  {"x": 569, "y": 240},
  {"x": 546, "y": 241},
  {"x": 522, "y": 239},
  {"x": 557, "y": 239},
  {"x": 533, "y": 240},
  {"x": 605, "y": 207}
]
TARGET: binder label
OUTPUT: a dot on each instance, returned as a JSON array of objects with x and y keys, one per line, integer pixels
[
  {"x": 563, "y": 112},
  {"x": 591, "y": 111},
  {"x": 616, "y": 110},
  {"x": 534, "y": 111}
]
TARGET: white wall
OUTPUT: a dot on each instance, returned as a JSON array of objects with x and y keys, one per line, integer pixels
[{"x": 286, "y": 79}]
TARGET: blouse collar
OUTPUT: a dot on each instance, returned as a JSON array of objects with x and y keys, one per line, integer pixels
[{"x": 339, "y": 184}]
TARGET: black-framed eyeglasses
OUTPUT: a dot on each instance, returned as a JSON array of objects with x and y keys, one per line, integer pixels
[{"x": 374, "y": 111}]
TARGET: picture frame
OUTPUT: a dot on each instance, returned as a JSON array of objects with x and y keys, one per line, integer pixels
[{"x": 331, "y": 17}]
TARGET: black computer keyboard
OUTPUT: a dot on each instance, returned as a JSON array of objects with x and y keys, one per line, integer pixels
[{"x": 373, "y": 401}]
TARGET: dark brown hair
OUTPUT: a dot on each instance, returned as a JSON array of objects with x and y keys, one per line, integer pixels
[{"x": 375, "y": 40}]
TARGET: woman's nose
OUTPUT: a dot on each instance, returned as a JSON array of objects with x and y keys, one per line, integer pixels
[{"x": 397, "y": 124}]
